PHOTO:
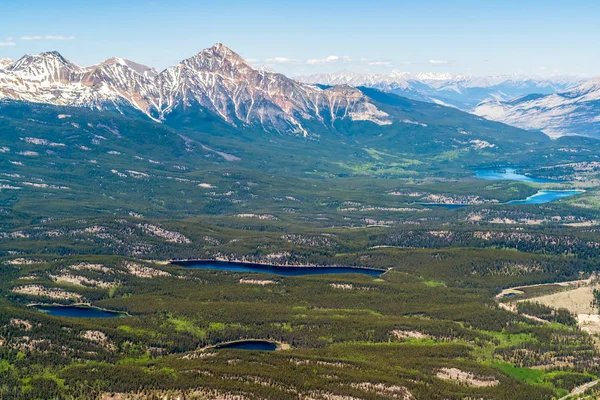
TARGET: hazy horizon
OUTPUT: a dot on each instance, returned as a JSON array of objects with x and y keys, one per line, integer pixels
[{"x": 342, "y": 69}]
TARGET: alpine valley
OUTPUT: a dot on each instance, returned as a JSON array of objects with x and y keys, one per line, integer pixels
[{"x": 149, "y": 220}]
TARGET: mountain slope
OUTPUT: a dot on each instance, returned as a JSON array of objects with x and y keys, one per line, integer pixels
[
  {"x": 572, "y": 112},
  {"x": 423, "y": 139},
  {"x": 425, "y": 128}
]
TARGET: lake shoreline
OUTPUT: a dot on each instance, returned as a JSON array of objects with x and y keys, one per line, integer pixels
[
  {"x": 279, "y": 345},
  {"x": 186, "y": 263},
  {"x": 81, "y": 305}
]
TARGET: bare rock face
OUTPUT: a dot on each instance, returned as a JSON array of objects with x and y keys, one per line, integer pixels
[{"x": 216, "y": 80}]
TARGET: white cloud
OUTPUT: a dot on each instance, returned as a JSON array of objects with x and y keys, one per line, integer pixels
[
  {"x": 438, "y": 62},
  {"x": 279, "y": 60},
  {"x": 60, "y": 37},
  {"x": 7, "y": 43},
  {"x": 328, "y": 60},
  {"x": 251, "y": 60},
  {"x": 380, "y": 63},
  {"x": 47, "y": 37}
]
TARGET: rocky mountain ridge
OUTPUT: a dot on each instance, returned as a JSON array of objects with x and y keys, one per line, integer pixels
[{"x": 216, "y": 80}]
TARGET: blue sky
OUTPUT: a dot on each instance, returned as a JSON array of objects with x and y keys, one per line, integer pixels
[{"x": 308, "y": 36}]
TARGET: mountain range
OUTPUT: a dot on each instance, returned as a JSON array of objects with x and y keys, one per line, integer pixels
[
  {"x": 216, "y": 80},
  {"x": 572, "y": 112},
  {"x": 217, "y": 84},
  {"x": 460, "y": 91}
]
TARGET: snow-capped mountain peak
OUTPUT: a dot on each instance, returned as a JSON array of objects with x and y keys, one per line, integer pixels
[
  {"x": 44, "y": 63},
  {"x": 45, "y": 69},
  {"x": 141, "y": 69},
  {"x": 216, "y": 58},
  {"x": 220, "y": 50},
  {"x": 5, "y": 63}
]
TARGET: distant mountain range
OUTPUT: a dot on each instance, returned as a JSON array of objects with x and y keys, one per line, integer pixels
[
  {"x": 460, "y": 91},
  {"x": 572, "y": 112}
]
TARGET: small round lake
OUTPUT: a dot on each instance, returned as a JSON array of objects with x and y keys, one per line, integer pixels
[
  {"x": 257, "y": 345},
  {"x": 276, "y": 270},
  {"x": 507, "y": 174},
  {"x": 77, "y": 311}
]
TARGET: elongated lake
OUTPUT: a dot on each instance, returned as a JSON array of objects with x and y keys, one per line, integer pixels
[
  {"x": 259, "y": 345},
  {"x": 77, "y": 311},
  {"x": 276, "y": 270},
  {"x": 546, "y": 196}
]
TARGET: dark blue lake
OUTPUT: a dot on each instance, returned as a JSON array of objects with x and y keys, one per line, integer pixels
[
  {"x": 507, "y": 174},
  {"x": 272, "y": 269},
  {"x": 77, "y": 311},
  {"x": 546, "y": 196},
  {"x": 250, "y": 345}
]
